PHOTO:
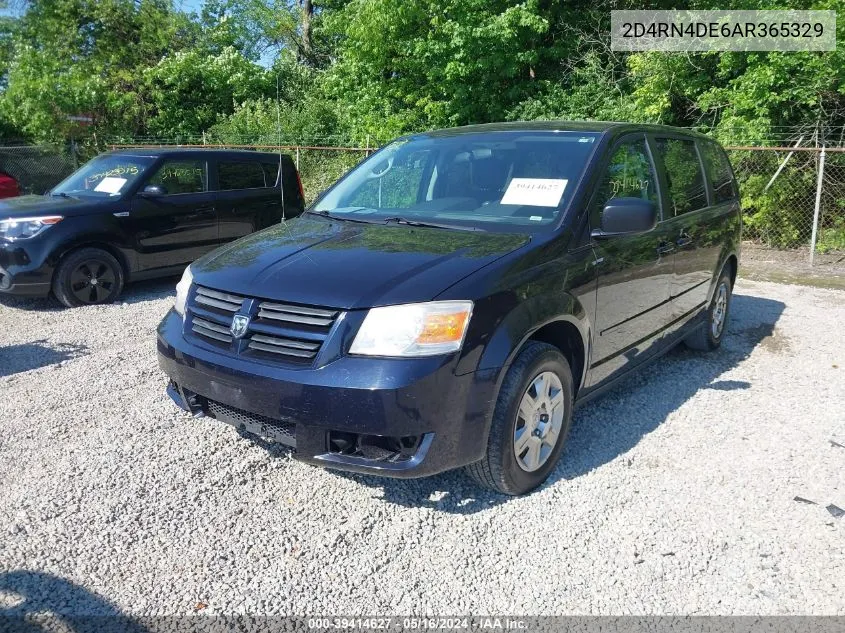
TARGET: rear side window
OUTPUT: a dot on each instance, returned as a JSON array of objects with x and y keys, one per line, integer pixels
[
  {"x": 241, "y": 175},
  {"x": 685, "y": 181},
  {"x": 718, "y": 172},
  {"x": 181, "y": 176}
]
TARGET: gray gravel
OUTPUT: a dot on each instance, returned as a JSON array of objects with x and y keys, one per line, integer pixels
[{"x": 675, "y": 495}]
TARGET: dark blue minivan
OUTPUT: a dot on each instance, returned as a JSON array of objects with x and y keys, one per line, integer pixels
[{"x": 449, "y": 300}]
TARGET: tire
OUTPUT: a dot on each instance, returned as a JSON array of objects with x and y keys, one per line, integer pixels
[
  {"x": 88, "y": 276},
  {"x": 709, "y": 337},
  {"x": 501, "y": 469}
]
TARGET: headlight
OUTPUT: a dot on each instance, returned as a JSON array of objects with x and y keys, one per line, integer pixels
[
  {"x": 415, "y": 329},
  {"x": 24, "y": 228},
  {"x": 182, "y": 289}
]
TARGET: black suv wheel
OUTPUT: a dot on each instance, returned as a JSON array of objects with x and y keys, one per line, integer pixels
[
  {"x": 530, "y": 423},
  {"x": 88, "y": 276}
]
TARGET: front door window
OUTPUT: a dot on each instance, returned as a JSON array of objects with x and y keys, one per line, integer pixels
[{"x": 181, "y": 176}]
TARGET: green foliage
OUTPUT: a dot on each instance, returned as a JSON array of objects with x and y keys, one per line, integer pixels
[
  {"x": 832, "y": 238},
  {"x": 84, "y": 57},
  {"x": 187, "y": 92},
  {"x": 777, "y": 216},
  {"x": 424, "y": 63},
  {"x": 320, "y": 169},
  {"x": 349, "y": 70}
]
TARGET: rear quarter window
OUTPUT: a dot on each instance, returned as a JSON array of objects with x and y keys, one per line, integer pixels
[
  {"x": 241, "y": 175},
  {"x": 719, "y": 172}
]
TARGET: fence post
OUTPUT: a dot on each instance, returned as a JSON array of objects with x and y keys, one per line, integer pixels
[
  {"x": 368, "y": 146},
  {"x": 817, "y": 210},
  {"x": 782, "y": 165},
  {"x": 297, "y": 158}
]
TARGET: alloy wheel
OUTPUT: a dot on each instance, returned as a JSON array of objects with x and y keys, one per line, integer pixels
[
  {"x": 539, "y": 421},
  {"x": 720, "y": 310}
]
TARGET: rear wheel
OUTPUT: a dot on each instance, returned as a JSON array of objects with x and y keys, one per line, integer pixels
[
  {"x": 709, "y": 337},
  {"x": 88, "y": 276},
  {"x": 532, "y": 417}
]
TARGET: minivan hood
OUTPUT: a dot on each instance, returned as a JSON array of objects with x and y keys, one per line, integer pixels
[
  {"x": 317, "y": 261},
  {"x": 25, "y": 206}
]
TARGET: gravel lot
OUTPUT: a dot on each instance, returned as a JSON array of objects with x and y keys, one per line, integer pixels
[{"x": 675, "y": 494}]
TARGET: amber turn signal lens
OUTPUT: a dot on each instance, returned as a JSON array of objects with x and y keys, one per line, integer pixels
[{"x": 443, "y": 328}]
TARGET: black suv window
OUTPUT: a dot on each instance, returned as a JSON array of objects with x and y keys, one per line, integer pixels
[
  {"x": 718, "y": 172},
  {"x": 240, "y": 175},
  {"x": 181, "y": 176},
  {"x": 683, "y": 174},
  {"x": 630, "y": 174},
  {"x": 271, "y": 173}
]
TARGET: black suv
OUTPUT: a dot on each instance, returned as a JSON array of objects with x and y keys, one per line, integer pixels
[
  {"x": 136, "y": 214},
  {"x": 451, "y": 299}
]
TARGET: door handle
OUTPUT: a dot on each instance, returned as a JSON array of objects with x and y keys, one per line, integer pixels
[{"x": 665, "y": 248}]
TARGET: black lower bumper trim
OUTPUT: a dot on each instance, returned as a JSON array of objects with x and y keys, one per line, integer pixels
[{"x": 281, "y": 431}]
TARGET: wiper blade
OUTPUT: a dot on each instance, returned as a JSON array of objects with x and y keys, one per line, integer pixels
[
  {"x": 59, "y": 194},
  {"x": 433, "y": 225},
  {"x": 329, "y": 214}
]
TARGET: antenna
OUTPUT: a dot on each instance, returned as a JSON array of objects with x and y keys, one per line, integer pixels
[{"x": 279, "y": 139}]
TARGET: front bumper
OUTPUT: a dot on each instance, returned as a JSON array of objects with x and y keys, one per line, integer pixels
[
  {"x": 441, "y": 419},
  {"x": 23, "y": 271}
]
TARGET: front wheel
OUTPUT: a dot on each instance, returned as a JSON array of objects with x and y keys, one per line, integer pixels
[
  {"x": 88, "y": 276},
  {"x": 530, "y": 423},
  {"x": 709, "y": 337}
]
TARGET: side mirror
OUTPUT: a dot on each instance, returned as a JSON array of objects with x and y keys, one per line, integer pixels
[
  {"x": 153, "y": 190},
  {"x": 626, "y": 216}
]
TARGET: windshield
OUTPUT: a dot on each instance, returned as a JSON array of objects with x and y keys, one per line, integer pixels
[
  {"x": 507, "y": 180},
  {"x": 104, "y": 176}
]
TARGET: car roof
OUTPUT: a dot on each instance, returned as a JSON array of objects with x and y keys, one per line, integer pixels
[
  {"x": 601, "y": 127},
  {"x": 193, "y": 151}
]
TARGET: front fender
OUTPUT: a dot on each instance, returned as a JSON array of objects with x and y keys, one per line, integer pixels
[
  {"x": 99, "y": 232},
  {"x": 529, "y": 316}
]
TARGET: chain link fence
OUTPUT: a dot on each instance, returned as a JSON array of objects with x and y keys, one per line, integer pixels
[
  {"x": 783, "y": 199},
  {"x": 37, "y": 168},
  {"x": 779, "y": 185}
]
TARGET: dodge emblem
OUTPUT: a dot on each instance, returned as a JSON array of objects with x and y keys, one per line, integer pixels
[{"x": 239, "y": 325}]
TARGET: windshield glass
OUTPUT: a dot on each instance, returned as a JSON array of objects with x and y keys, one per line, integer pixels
[
  {"x": 511, "y": 180},
  {"x": 104, "y": 176}
]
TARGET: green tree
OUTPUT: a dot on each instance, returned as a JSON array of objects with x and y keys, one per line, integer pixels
[
  {"x": 72, "y": 57},
  {"x": 187, "y": 92}
]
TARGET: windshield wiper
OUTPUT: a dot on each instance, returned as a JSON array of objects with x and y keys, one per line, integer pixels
[
  {"x": 329, "y": 214},
  {"x": 434, "y": 225},
  {"x": 59, "y": 194}
]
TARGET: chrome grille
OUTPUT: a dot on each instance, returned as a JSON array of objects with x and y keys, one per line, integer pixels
[
  {"x": 211, "y": 330},
  {"x": 278, "y": 332},
  {"x": 296, "y": 314},
  {"x": 283, "y": 346},
  {"x": 219, "y": 300}
]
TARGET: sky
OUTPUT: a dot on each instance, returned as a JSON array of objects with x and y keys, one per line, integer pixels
[{"x": 188, "y": 6}]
